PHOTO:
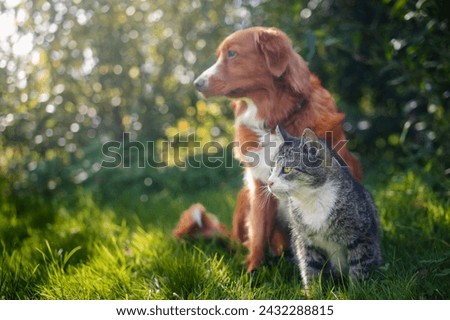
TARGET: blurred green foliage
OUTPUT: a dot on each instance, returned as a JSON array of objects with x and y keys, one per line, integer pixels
[{"x": 77, "y": 74}]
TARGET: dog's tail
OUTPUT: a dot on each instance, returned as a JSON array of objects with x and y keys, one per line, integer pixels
[{"x": 195, "y": 222}]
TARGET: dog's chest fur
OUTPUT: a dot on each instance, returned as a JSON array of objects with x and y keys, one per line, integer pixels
[
  {"x": 256, "y": 144},
  {"x": 256, "y": 149}
]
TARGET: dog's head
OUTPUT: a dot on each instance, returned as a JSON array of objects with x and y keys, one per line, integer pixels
[{"x": 253, "y": 60}]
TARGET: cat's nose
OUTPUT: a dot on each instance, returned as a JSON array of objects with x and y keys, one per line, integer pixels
[{"x": 269, "y": 184}]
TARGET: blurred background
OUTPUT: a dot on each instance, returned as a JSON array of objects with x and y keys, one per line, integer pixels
[{"x": 76, "y": 74}]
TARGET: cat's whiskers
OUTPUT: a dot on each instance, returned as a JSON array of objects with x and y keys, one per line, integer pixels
[{"x": 267, "y": 194}]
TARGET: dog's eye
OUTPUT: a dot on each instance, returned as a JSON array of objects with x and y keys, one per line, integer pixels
[{"x": 231, "y": 54}]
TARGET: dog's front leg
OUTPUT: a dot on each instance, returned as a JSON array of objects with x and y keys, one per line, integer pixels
[
  {"x": 263, "y": 210},
  {"x": 239, "y": 231}
]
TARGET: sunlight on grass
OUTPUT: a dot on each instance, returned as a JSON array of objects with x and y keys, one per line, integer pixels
[{"x": 83, "y": 251}]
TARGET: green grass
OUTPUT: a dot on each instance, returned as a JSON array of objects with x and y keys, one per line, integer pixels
[{"x": 79, "y": 249}]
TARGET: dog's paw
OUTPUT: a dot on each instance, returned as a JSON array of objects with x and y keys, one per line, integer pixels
[{"x": 253, "y": 262}]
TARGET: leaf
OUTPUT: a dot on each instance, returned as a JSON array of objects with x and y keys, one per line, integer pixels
[
  {"x": 443, "y": 273},
  {"x": 399, "y": 4},
  {"x": 433, "y": 261},
  {"x": 70, "y": 254}
]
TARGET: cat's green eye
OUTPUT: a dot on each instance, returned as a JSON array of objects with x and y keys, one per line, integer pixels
[{"x": 286, "y": 170}]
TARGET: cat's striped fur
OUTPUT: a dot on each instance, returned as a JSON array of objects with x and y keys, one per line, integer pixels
[{"x": 333, "y": 220}]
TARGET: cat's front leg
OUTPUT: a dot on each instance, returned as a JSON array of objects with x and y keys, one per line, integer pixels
[{"x": 311, "y": 261}]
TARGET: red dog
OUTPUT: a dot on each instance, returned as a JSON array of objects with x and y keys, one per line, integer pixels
[{"x": 260, "y": 64}]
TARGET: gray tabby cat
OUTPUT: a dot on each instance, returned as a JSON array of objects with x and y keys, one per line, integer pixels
[{"x": 333, "y": 219}]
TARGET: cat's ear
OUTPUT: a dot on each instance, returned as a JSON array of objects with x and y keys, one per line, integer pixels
[
  {"x": 310, "y": 135},
  {"x": 283, "y": 135},
  {"x": 321, "y": 149},
  {"x": 312, "y": 143}
]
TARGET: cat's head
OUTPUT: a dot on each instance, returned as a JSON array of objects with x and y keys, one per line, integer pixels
[{"x": 300, "y": 162}]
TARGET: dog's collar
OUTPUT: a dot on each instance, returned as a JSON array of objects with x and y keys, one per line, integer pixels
[
  {"x": 286, "y": 122},
  {"x": 298, "y": 106}
]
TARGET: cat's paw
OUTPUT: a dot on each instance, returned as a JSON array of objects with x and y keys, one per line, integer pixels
[
  {"x": 306, "y": 291},
  {"x": 359, "y": 273}
]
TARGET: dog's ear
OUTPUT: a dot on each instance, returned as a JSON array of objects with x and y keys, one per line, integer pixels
[
  {"x": 276, "y": 48},
  {"x": 298, "y": 76},
  {"x": 281, "y": 59}
]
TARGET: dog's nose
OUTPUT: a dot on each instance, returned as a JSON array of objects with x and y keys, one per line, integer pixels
[{"x": 200, "y": 83}]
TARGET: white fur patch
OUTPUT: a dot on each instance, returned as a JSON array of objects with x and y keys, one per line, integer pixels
[
  {"x": 315, "y": 204},
  {"x": 250, "y": 118},
  {"x": 211, "y": 71},
  {"x": 197, "y": 217},
  {"x": 259, "y": 160}
]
